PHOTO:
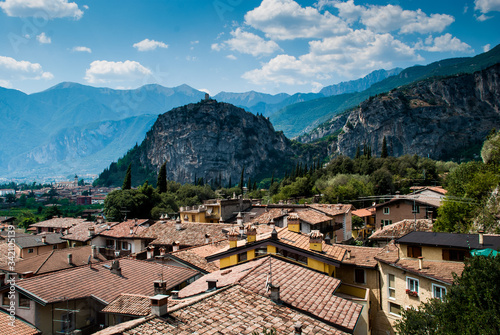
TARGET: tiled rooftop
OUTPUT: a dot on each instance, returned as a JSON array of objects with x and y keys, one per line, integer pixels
[
  {"x": 362, "y": 256},
  {"x": 20, "y": 326},
  {"x": 129, "y": 304},
  {"x": 234, "y": 310},
  {"x": 313, "y": 217},
  {"x": 4, "y": 253},
  {"x": 439, "y": 270},
  {"x": 304, "y": 289},
  {"x": 332, "y": 209},
  {"x": 122, "y": 229},
  {"x": 268, "y": 215},
  {"x": 56, "y": 260},
  {"x": 191, "y": 233},
  {"x": 137, "y": 278},
  {"x": 401, "y": 228},
  {"x": 364, "y": 212},
  {"x": 453, "y": 240},
  {"x": 36, "y": 240},
  {"x": 196, "y": 255},
  {"x": 58, "y": 223},
  {"x": 80, "y": 232}
]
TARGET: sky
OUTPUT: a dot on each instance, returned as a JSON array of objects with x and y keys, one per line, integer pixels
[{"x": 268, "y": 46}]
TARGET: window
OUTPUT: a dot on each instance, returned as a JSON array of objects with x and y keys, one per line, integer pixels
[
  {"x": 260, "y": 251},
  {"x": 414, "y": 251},
  {"x": 394, "y": 309},
  {"x": 412, "y": 284},
  {"x": 415, "y": 208},
  {"x": 438, "y": 291},
  {"x": 193, "y": 218},
  {"x": 31, "y": 250},
  {"x": 54, "y": 246},
  {"x": 386, "y": 222},
  {"x": 386, "y": 211},
  {"x": 454, "y": 255},
  {"x": 125, "y": 245},
  {"x": 110, "y": 244},
  {"x": 392, "y": 286},
  {"x": 292, "y": 256},
  {"x": 359, "y": 276},
  {"x": 242, "y": 257},
  {"x": 24, "y": 302}
]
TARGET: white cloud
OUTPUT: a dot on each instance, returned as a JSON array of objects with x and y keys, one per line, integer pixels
[
  {"x": 486, "y": 6},
  {"x": 487, "y": 48},
  {"x": 287, "y": 20},
  {"x": 483, "y": 17},
  {"x": 11, "y": 69},
  {"x": 248, "y": 43},
  {"x": 149, "y": 45},
  {"x": 231, "y": 57},
  {"x": 383, "y": 19},
  {"x": 44, "y": 39},
  {"x": 443, "y": 43},
  {"x": 102, "y": 71},
  {"x": 5, "y": 83},
  {"x": 351, "y": 56},
  {"x": 47, "y": 9},
  {"x": 81, "y": 49}
]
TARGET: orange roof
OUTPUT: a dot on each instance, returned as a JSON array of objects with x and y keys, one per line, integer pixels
[
  {"x": 313, "y": 217},
  {"x": 361, "y": 256},
  {"x": 129, "y": 304},
  {"x": 401, "y": 228},
  {"x": 123, "y": 229},
  {"x": 196, "y": 255},
  {"x": 364, "y": 212},
  {"x": 20, "y": 326},
  {"x": 332, "y": 209},
  {"x": 58, "y": 223}
]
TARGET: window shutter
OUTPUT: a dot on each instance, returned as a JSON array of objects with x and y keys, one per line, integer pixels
[{"x": 446, "y": 254}]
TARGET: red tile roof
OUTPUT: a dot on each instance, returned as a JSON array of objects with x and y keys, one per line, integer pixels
[
  {"x": 234, "y": 310},
  {"x": 80, "y": 232},
  {"x": 129, "y": 304},
  {"x": 122, "y": 229},
  {"x": 306, "y": 290},
  {"x": 362, "y": 256},
  {"x": 196, "y": 255},
  {"x": 191, "y": 233},
  {"x": 58, "y": 223},
  {"x": 268, "y": 215},
  {"x": 56, "y": 260},
  {"x": 313, "y": 217},
  {"x": 401, "y": 228},
  {"x": 19, "y": 327},
  {"x": 364, "y": 212},
  {"x": 332, "y": 209},
  {"x": 137, "y": 278}
]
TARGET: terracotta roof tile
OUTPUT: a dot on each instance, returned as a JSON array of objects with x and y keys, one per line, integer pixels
[
  {"x": 268, "y": 215},
  {"x": 20, "y": 327},
  {"x": 196, "y": 255},
  {"x": 80, "y": 232},
  {"x": 401, "y": 228},
  {"x": 304, "y": 289},
  {"x": 122, "y": 229},
  {"x": 129, "y": 304},
  {"x": 37, "y": 240},
  {"x": 234, "y": 310},
  {"x": 4, "y": 253},
  {"x": 58, "y": 223},
  {"x": 57, "y": 260},
  {"x": 364, "y": 212},
  {"x": 362, "y": 256},
  {"x": 191, "y": 233},
  {"x": 332, "y": 209},
  {"x": 313, "y": 217},
  {"x": 137, "y": 278}
]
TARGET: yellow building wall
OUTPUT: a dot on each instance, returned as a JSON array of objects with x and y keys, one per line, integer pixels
[
  {"x": 271, "y": 249},
  {"x": 431, "y": 253},
  {"x": 295, "y": 227},
  {"x": 316, "y": 246},
  {"x": 317, "y": 265},
  {"x": 250, "y": 254}
]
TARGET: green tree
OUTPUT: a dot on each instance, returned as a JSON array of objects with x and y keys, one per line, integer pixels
[
  {"x": 384, "y": 152},
  {"x": 471, "y": 306},
  {"x": 161, "y": 185},
  {"x": 127, "y": 181},
  {"x": 26, "y": 219},
  {"x": 490, "y": 152}
]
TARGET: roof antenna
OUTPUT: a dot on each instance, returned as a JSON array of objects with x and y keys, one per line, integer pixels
[{"x": 269, "y": 281}]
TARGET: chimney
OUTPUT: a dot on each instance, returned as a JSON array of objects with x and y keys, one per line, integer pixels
[
  {"x": 131, "y": 231},
  {"x": 233, "y": 238},
  {"x": 115, "y": 268},
  {"x": 44, "y": 239},
  {"x": 348, "y": 254},
  {"x": 94, "y": 251},
  {"x": 328, "y": 240},
  {"x": 178, "y": 225},
  {"x": 70, "y": 259},
  {"x": 163, "y": 250},
  {"x": 212, "y": 284},
  {"x": 316, "y": 241},
  {"x": 91, "y": 232},
  {"x": 481, "y": 238},
  {"x": 298, "y": 328},
  {"x": 293, "y": 222},
  {"x": 159, "y": 304},
  {"x": 239, "y": 219},
  {"x": 275, "y": 294},
  {"x": 151, "y": 251},
  {"x": 271, "y": 224},
  {"x": 220, "y": 220},
  {"x": 274, "y": 234},
  {"x": 175, "y": 246},
  {"x": 397, "y": 194},
  {"x": 174, "y": 294},
  {"x": 27, "y": 274},
  {"x": 160, "y": 287},
  {"x": 251, "y": 234},
  {"x": 207, "y": 238},
  {"x": 420, "y": 263}
]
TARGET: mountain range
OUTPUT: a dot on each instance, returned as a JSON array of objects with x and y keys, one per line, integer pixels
[{"x": 72, "y": 128}]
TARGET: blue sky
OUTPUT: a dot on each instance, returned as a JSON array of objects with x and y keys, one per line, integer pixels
[{"x": 232, "y": 45}]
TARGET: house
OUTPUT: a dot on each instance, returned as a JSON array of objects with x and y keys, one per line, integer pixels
[
  {"x": 194, "y": 257},
  {"x": 368, "y": 217},
  {"x": 15, "y": 325},
  {"x": 123, "y": 238},
  {"x": 215, "y": 210},
  {"x": 396, "y": 230},
  {"x": 399, "y": 208},
  {"x": 31, "y": 245},
  {"x": 72, "y": 299},
  {"x": 85, "y": 232},
  {"x": 56, "y": 225},
  {"x": 342, "y": 218},
  {"x": 420, "y": 266},
  {"x": 231, "y": 310},
  {"x": 83, "y": 200},
  {"x": 5, "y": 191},
  {"x": 54, "y": 260}
]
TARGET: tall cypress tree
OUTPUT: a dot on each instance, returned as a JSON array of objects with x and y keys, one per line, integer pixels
[
  {"x": 127, "y": 182},
  {"x": 384, "y": 153},
  {"x": 358, "y": 152},
  {"x": 161, "y": 185}
]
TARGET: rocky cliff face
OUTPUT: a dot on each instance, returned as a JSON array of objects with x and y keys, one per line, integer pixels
[
  {"x": 211, "y": 139},
  {"x": 437, "y": 118}
]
